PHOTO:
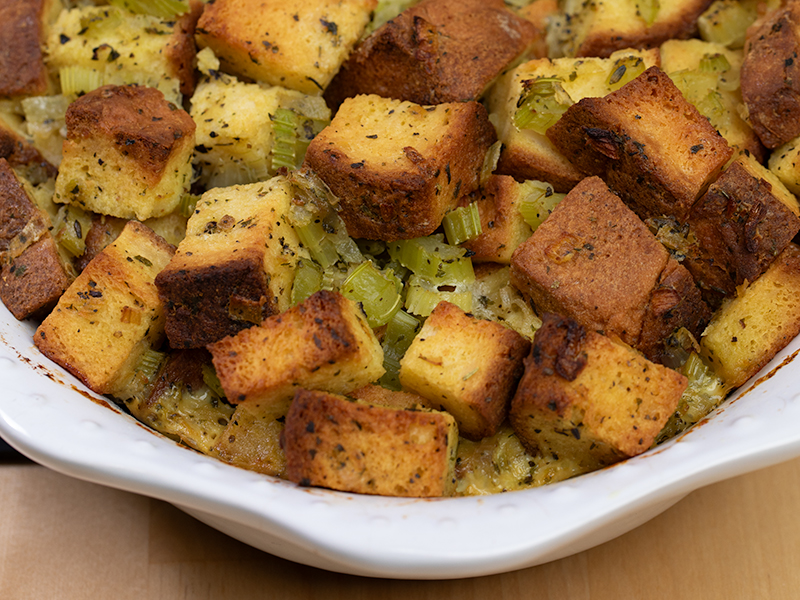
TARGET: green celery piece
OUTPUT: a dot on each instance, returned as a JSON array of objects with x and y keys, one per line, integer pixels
[
  {"x": 538, "y": 202},
  {"x": 77, "y": 79},
  {"x": 376, "y": 292},
  {"x": 314, "y": 238},
  {"x": 307, "y": 280},
  {"x": 163, "y": 9},
  {"x": 648, "y": 10},
  {"x": 430, "y": 257},
  {"x": 542, "y": 103},
  {"x": 400, "y": 332},
  {"x": 423, "y": 295},
  {"x": 462, "y": 224}
]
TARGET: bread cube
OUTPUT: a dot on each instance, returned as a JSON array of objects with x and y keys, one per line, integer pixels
[
  {"x": 356, "y": 447},
  {"x": 20, "y": 152},
  {"x": 714, "y": 92},
  {"x": 748, "y": 330},
  {"x": 588, "y": 399},
  {"x": 123, "y": 48},
  {"x": 181, "y": 405},
  {"x": 599, "y": 27},
  {"x": 502, "y": 225},
  {"x": 436, "y": 51},
  {"x": 593, "y": 260},
  {"x": 111, "y": 314},
  {"x": 128, "y": 153},
  {"x": 252, "y": 439},
  {"x": 235, "y": 267},
  {"x": 33, "y": 275},
  {"x": 527, "y": 153},
  {"x": 739, "y": 227},
  {"x": 466, "y": 366},
  {"x": 299, "y": 46},
  {"x": 235, "y": 134},
  {"x": 23, "y": 25},
  {"x": 398, "y": 167},
  {"x": 322, "y": 343},
  {"x": 784, "y": 162},
  {"x": 771, "y": 75},
  {"x": 375, "y": 394},
  {"x": 647, "y": 142}
]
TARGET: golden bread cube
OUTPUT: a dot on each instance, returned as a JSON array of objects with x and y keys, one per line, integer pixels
[
  {"x": 589, "y": 400},
  {"x": 33, "y": 275},
  {"x": 375, "y": 394},
  {"x": 299, "y": 46},
  {"x": 436, "y": 51},
  {"x": 23, "y": 27},
  {"x": 527, "y": 153},
  {"x": 180, "y": 405},
  {"x": 466, "y": 366},
  {"x": 123, "y": 48},
  {"x": 236, "y": 265},
  {"x": 252, "y": 439},
  {"x": 771, "y": 75},
  {"x": 111, "y": 314},
  {"x": 502, "y": 225},
  {"x": 738, "y": 228},
  {"x": 599, "y": 27},
  {"x": 647, "y": 142},
  {"x": 235, "y": 134},
  {"x": 748, "y": 330},
  {"x": 322, "y": 343},
  {"x": 398, "y": 167},
  {"x": 784, "y": 162},
  {"x": 19, "y": 151},
  {"x": 593, "y": 260},
  {"x": 356, "y": 447},
  {"x": 128, "y": 153},
  {"x": 713, "y": 91}
]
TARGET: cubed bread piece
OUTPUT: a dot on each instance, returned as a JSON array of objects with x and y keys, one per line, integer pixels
[
  {"x": 466, "y": 366},
  {"x": 322, "y": 343},
  {"x": 181, "y": 405},
  {"x": 528, "y": 154},
  {"x": 747, "y": 331},
  {"x": 587, "y": 399},
  {"x": 111, "y": 314},
  {"x": 32, "y": 273},
  {"x": 502, "y": 225},
  {"x": 128, "y": 153},
  {"x": 375, "y": 394},
  {"x": 235, "y": 134},
  {"x": 123, "y": 48},
  {"x": 23, "y": 29},
  {"x": 647, "y": 142},
  {"x": 236, "y": 265},
  {"x": 599, "y": 27},
  {"x": 436, "y": 51},
  {"x": 784, "y": 162},
  {"x": 713, "y": 90},
  {"x": 300, "y": 45},
  {"x": 20, "y": 152},
  {"x": 738, "y": 228},
  {"x": 252, "y": 439},
  {"x": 771, "y": 75},
  {"x": 398, "y": 167},
  {"x": 593, "y": 260},
  {"x": 353, "y": 446}
]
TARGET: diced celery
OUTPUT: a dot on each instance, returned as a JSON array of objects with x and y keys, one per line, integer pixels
[
  {"x": 371, "y": 247},
  {"x": 538, "y": 202},
  {"x": 462, "y": 224},
  {"x": 70, "y": 228},
  {"x": 490, "y": 161},
  {"x": 188, "y": 205},
  {"x": 716, "y": 63},
  {"x": 212, "y": 381},
  {"x": 284, "y": 148},
  {"x": 624, "y": 70},
  {"x": 541, "y": 105},
  {"x": 400, "y": 332},
  {"x": 163, "y": 9},
  {"x": 319, "y": 245},
  {"x": 377, "y": 293},
  {"x": 77, "y": 79},
  {"x": 307, "y": 280},
  {"x": 430, "y": 257},
  {"x": 725, "y": 22},
  {"x": 423, "y": 295}
]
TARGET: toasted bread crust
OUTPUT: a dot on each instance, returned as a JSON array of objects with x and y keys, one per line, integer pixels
[
  {"x": 22, "y": 69},
  {"x": 436, "y": 51},
  {"x": 647, "y": 142}
]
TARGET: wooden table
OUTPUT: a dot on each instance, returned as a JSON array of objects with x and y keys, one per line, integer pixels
[{"x": 62, "y": 538}]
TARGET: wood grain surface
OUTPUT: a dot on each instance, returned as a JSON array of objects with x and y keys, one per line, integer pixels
[{"x": 66, "y": 539}]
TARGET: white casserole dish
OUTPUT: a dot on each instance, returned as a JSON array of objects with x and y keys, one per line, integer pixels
[{"x": 46, "y": 414}]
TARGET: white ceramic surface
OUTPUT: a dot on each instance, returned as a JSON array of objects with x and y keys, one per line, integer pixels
[{"x": 50, "y": 417}]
